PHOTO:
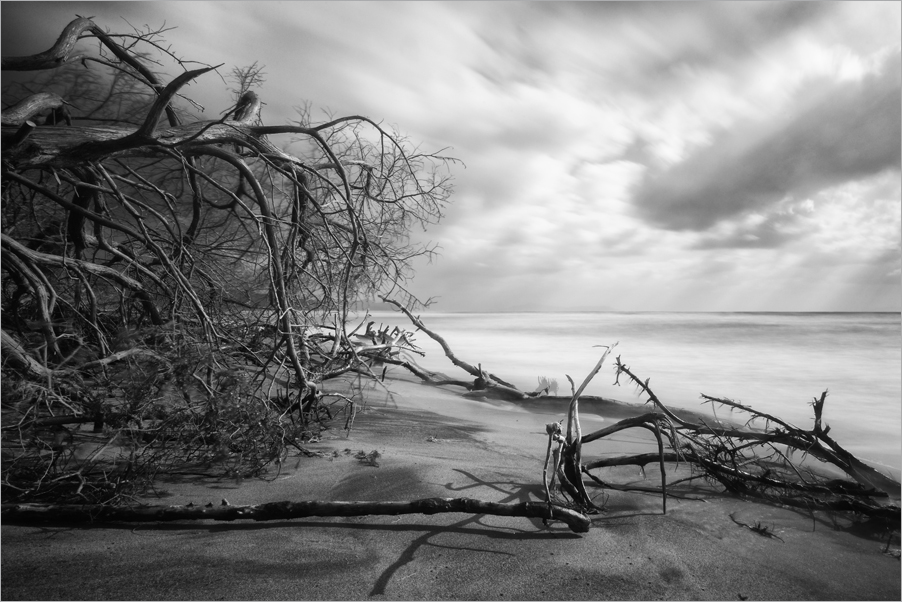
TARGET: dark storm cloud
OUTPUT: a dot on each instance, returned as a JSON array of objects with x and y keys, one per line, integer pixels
[
  {"x": 839, "y": 133},
  {"x": 774, "y": 232}
]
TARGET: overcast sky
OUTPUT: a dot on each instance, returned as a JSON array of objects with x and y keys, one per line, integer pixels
[{"x": 619, "y": 156}]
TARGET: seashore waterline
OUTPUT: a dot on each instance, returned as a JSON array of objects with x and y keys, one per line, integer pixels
[{"x": 774, "y": 362}]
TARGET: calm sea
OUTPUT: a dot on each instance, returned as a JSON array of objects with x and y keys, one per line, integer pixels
[{"x": 774, "y": 362}]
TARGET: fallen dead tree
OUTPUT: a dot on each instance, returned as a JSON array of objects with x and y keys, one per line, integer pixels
[
  {"x": 168, "y": 271},
  {"x": 99, "y": 513},
  {"x": 758, "y": 463}
]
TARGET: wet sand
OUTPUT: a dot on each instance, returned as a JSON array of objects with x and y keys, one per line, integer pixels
[{"x": 433, "y": 443}]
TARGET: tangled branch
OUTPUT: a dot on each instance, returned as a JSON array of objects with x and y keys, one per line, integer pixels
[
  {"x": 164, "y": 274},
  {"x": 758, "y": 463}
]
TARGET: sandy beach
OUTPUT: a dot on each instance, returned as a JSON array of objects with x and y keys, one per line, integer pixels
[{"x": 433, "y": 443}]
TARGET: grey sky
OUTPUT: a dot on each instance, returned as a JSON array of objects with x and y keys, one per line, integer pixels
[{"x": 631, "y": 156}]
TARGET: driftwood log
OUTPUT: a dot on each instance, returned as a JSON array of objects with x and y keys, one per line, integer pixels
[{"x": 98, "y": 513}]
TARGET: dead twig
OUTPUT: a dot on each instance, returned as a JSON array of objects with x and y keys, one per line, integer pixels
[{"x": 758, "y": 528}]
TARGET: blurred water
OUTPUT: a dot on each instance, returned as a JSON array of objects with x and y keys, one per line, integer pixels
[{"x": 775, "y": 362}]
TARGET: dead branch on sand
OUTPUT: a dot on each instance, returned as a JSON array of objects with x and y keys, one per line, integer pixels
[
  {"x": 97, "y": 513},
  {"x": 568, "y": 467},
  {"x": 485, "y": 383}
]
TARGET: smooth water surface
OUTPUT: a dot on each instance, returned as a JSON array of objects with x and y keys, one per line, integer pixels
[{"x": 774, "y": 362}]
